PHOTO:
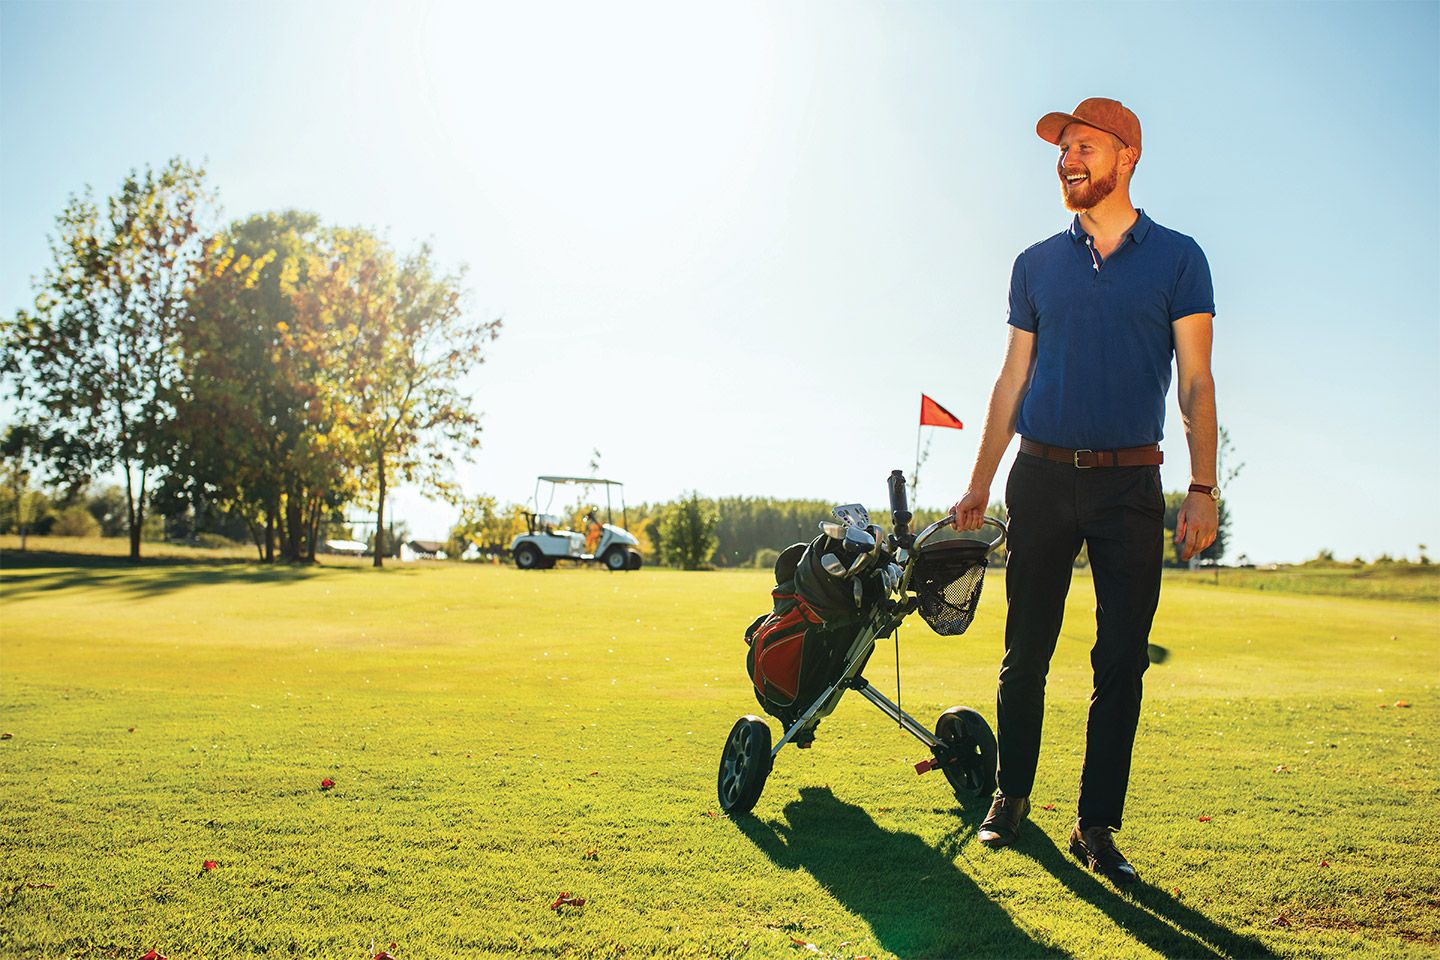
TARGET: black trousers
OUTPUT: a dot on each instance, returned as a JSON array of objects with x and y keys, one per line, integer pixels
[{"x": 1118, "y": 512}]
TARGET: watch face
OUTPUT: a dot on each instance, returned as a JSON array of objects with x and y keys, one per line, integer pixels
[{"x": 1214, "y": 493}]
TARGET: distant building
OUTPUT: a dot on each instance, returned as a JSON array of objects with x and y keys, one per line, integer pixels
[
  {"x": 349, "y": 548},
  {"x": 422, "y": 550}
]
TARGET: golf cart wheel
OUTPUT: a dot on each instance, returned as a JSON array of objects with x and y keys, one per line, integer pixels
[
  {"x": 967, "y": 734},
  {"x": 744, "y": 765},
  {"x": 617, "y": 558},
  {"x": 528, "y": 557},
  {"x": 634, "y": 563}
]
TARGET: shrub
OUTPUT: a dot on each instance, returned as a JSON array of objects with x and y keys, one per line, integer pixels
[{"x": 75, "y": 521}]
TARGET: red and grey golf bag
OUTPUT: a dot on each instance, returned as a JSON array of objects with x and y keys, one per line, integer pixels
[{"x": 798, "y": 649}]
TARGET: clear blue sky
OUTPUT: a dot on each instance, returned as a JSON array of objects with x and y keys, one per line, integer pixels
[{"x": 732, "y": 244}]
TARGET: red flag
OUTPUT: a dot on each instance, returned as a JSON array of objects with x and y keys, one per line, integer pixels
[{"x": 934, "y": 415}]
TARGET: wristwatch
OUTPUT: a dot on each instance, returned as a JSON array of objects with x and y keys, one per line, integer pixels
[{"x": 1214, "y": 492}]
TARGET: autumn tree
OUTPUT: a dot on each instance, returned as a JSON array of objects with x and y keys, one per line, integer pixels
[
  {"x": 265, "y": 384},
  {"x": 411, "y": 343},
  {"x": 95, "y": 364}
]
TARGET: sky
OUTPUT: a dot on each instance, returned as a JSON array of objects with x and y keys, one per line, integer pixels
[{"x": 732, "y": 244}]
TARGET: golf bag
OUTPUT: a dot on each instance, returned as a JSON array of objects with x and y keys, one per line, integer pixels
[{"x": 798, "y": 648}]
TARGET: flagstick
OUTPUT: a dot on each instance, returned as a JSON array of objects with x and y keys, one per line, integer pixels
[{"x": 914, "y": 486}]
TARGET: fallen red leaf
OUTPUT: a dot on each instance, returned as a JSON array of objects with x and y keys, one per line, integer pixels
[
  {"x": 327, "y": 784},
  {"x": 710, "y": 813},
  {"x": 1047, "y": 806},
  {"x": 1280, "y": 920},
  {"x": 804, "y": 943},
  {"x": 7, "y": 736},
  {"x": 1177, "y": 892},
  {"x": 1402, "y": 704},
  {"x": 1205, "y": 819},
  {"x": 592, "y": 854},
  {"x": 1324, "y": 863},
  {"x": 152, "y": 955},
  {"x": 209, "y": 865},
  {"x": 131, "y": 730},
  {"x": 384, "y": 955},
  {"x": 565, "y": 900}
]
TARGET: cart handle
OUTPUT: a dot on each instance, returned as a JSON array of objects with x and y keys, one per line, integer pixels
[{"x": 948, "y": 519}]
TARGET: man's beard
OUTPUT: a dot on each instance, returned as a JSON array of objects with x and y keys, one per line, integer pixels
[{"x": 1088, "y": 195}]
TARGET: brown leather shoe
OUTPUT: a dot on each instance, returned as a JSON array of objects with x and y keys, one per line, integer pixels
[
  {"x": 1002, "y": 823},
  {"x": 1095, "y": 848}
]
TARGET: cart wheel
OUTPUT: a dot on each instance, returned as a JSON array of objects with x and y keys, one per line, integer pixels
[
  {"x": 617, "y": 558},
  {"x": 968, "y": 735},
  {"x": 527, "y": 557},
  {"x": 744, "y": 765},
  {"x": 634, "y": 563}
]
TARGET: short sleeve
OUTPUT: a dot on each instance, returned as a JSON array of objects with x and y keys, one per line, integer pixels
[
  {"x": 1193, "y": 291},
  {"x": 1022, "y": 310}
]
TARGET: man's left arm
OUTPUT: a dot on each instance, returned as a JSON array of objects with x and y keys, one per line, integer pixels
[{"x": 1199, "y": 515}]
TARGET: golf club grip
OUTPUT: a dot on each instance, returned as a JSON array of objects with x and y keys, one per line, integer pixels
[{"x": 897, "y": 493}]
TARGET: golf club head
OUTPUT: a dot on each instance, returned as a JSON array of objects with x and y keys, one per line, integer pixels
[
  {"x": 858, "y": 564},
  {"x": 852, "y": 515},
  {"x": 1157, "y": 653},
  {"x": 859, "y": 540},
  {"x": 833, "y": 530},
  {"x": 832, "y": 565}
]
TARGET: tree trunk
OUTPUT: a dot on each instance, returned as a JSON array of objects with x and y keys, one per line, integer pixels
[
  {"x": 269, "y": 534},
  {"x": 380, "y": 513},
  {"x": 315, "y": 509},
  {"x": 292, "y": 527},
  {"x": 135, "y": 511},
  {"x": 255, "y": 537}
]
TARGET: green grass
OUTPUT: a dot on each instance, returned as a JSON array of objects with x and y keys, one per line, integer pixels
[
  {"x": 488, "y": 729},
  {"x": 1391, "y": 581}
]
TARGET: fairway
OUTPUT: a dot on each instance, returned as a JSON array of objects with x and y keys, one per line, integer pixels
[{"x": 497, "y": 738}]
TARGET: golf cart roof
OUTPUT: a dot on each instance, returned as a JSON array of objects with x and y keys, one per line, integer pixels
[{"x": 613, "y": 483}]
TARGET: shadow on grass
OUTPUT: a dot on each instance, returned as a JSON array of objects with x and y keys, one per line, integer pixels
[
  {"x": 1149, "y": 914},
  {"x": 917, "y": 902},
  {"x": 34, "y": 572}
]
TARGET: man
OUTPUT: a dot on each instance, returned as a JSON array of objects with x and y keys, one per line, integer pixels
[{"x": 1096, "y": 312}]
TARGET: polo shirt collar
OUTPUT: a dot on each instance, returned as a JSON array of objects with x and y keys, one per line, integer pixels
[{"x": 1138, "y": 231}]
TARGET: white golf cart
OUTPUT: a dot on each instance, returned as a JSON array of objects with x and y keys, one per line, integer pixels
[{"x": 545, "y": 542}]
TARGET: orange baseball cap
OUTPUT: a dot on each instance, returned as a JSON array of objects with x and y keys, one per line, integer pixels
[{"x": 1112, "y": 116}]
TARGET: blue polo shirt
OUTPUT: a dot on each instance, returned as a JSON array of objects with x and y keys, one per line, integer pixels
[{"x": 1102, "y": 332}]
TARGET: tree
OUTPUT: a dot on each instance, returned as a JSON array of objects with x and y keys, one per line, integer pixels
[
  {"x": 687, "y": 531},
  {"x": 486, "y": 525},
  {"x": 266, "y": 386},
  {"x": 413, "y": 343},
  {"x": 18, "y": 449},
  {"x": 97, "y": 360}
]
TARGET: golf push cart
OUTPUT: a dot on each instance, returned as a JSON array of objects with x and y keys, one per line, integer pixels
[
  {"x": 833, "y": 598},
  {"x": 545, "y": 541}
]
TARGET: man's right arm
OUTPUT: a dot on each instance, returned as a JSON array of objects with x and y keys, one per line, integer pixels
[{"x": 1000, "y": 416}]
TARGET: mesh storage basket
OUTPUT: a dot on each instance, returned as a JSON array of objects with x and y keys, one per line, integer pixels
[{"x": 947, "y": 581}]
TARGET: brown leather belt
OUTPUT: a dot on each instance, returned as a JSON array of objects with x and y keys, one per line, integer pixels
[{"x": 1146, "y": 456}]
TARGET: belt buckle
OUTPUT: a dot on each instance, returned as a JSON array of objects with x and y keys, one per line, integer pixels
[{"x": 1083, "y": 466}]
